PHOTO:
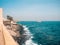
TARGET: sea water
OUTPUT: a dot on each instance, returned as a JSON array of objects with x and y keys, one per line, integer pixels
[{"x": 42, "y": 33}]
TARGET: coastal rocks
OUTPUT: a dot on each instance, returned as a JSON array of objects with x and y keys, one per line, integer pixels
[{"x": 15, "y": 30}]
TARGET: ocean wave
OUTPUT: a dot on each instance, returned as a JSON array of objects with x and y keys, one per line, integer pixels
[{"x": 29, "y": 36}]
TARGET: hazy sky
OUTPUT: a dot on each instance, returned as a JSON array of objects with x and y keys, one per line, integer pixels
[{"x": 32, "y": 10}]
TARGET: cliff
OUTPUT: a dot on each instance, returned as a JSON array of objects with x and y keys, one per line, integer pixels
[
  {"x": 11, "y": 33},
  {"x": 15, "y": 30},
  {"x": 5, "y": 37}
]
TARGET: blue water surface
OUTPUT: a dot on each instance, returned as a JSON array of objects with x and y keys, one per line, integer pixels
[{"x": 45, "y": 32}]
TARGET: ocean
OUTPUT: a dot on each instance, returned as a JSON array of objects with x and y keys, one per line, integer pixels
[{"x": 42, "y": 33}]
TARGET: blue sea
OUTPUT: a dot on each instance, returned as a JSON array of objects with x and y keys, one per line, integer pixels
[{"x": 44, "y": 32}]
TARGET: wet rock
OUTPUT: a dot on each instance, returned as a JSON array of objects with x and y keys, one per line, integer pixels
[{"x": 16, "y": 32}]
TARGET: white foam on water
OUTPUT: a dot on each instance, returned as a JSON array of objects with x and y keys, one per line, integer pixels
[{"x": 29, "y": 41}]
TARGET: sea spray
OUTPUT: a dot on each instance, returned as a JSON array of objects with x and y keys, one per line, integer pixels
[{"x": 29, "y": 36}]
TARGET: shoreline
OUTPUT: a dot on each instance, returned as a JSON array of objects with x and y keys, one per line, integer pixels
[{"x": 12, "y": 32}]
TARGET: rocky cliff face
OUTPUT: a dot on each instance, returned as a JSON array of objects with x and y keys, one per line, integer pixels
[{"x": 16, "y": 31}]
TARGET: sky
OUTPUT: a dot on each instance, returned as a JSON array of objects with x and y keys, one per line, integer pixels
[{"x": 32, "y": 10}]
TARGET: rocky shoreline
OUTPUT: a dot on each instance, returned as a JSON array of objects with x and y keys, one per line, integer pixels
[
  {"x": 15, "y": 30},
  {"x": 11, "y": 33}
]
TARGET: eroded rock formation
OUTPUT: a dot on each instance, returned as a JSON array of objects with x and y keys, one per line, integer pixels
[{"x": 15, "y": 30}]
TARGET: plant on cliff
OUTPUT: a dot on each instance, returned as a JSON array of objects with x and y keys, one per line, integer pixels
[{"x": 9, "y": 18}]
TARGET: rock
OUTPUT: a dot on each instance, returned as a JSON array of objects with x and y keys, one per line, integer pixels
[
  {"x": 16, "y": 31},
  {"x": 5, "y": 37}
]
